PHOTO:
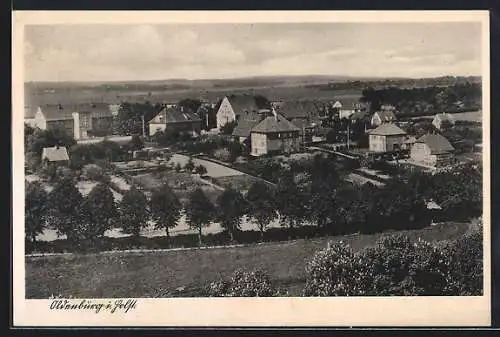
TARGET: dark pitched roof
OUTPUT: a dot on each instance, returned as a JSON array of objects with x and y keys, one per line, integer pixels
[
  {"x": 360, "y": 114},
  {"x": 53, "y": 112},
  {"x": 299, "y": 109},
  {"x": 437, "y": 143},
  {"x": 174, "y": 115},
  {"x": 242, "y": 103},
  {"x": 244, "y": 127},
  {"x": 275, "y": 123},
  {"x": 387, "y": 129},
  {"x": 55, "y": 153}
]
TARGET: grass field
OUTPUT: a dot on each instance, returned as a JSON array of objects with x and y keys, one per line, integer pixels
[{"x": 158, "y": 274}]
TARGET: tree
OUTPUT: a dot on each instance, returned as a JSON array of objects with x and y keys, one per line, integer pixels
[
  {"x": 100, "y": 210},
  {"x": 133, "y": 212},
  {"x": 227, "y": 129},
  {"x": 65, "y": 203},
  {"x": 36, "y": 207},
  {"x": 199, "y": 211},
  {"x": 136, "y": 143},
  {"x": 201, "y": 170},
  {"x": 261, "y": 205},
  {"x": 189, "y": 165},
  {"x": 190, "y": 104},
  {"x": 231, "y": 206},
  {"x": 165, "y": 208}
]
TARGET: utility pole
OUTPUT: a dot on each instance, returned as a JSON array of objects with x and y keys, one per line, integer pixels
[
  {"x": 143, "y": 127},
  {"x": 348, "y": 132}
]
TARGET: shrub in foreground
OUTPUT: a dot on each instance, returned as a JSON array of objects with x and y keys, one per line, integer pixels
[
  {"x": 255, "y": 283},
  {"x": 398, "y": 267}
]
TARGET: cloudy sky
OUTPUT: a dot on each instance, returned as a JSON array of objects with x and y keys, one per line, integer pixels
[{"x": 148, "y": 52}]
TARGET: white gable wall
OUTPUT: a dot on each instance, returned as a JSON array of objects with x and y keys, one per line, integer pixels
[{"x": 225, "y": 114}]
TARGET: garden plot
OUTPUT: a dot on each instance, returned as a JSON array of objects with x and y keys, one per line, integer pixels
[{"x": 214, "y": 170}]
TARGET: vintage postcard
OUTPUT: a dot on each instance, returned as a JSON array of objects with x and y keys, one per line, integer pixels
[{"x": 233, "y": 168}]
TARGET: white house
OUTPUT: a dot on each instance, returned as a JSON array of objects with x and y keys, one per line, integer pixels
[
  {"x": 440, "y": 119},
  {"x": 232, "y": 108}
]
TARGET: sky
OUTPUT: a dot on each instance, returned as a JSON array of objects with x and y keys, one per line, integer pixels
[{"x": 199, "y": 51}]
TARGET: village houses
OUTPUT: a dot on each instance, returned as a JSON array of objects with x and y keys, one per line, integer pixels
[
  {"x": 386, "y": 114},
  {"x": 177, "y": 119},
  {"x": 441, "y": 119},
  {"x": 274, "y": 134},
  {"x": 55, "y": 156},
  {"x": 234, "y": 108},
  {"x": 432, "y": 150},
  {"x": 387, "y": 137},
  {"x": 81, "y": 121}
]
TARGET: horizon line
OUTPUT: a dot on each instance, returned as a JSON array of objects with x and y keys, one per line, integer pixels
[{"x": 250, "y": 77}]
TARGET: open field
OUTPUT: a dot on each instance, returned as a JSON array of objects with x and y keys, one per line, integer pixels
[
  {"x": 158, "y": 274},
  {"x": 72, "y": 94}
]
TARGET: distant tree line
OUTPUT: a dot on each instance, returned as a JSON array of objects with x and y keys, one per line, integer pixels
[{"x": 425, "y": 100}]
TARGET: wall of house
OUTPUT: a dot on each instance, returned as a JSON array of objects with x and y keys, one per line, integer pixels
[
  {"x": 225, "y": 114},
  {"x": 155, "y": 127},
  {"x": 259, "y": 144},
  {"x": 378, "y": 143},
  {"x": 421, "y": 153},
  {"x": 39, "y": 120}
]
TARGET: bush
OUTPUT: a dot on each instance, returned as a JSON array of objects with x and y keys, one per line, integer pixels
[
  {"x": 256, "y": 283},
  {"x": 228, "y": 128},
  {"x": 201, "y": 170},
  {"x": 222, "y": 154},
  {"x": 95, "y": 172},
  {"x": 398, "y": 267}
]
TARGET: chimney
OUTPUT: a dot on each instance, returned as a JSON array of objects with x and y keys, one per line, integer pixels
[
  {"x": 182, "y": 108},
  {"x": 275, "y": 115}
]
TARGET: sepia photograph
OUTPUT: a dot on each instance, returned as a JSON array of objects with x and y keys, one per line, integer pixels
[{"x": 342, "y": 158}]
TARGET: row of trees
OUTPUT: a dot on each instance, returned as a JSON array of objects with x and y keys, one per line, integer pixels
[
  {"x": 317, "y": 195},
  {"x": 425, "y": 99}
]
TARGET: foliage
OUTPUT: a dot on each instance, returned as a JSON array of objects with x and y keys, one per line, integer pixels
[
  {"x": 94, "y": 172},
  {"x": 199, "y": 211},
  {"x": 105, "y": 151},
  {"x": 136, "y": 143},
  {"x": 397, "y": 266},
  {"x": 189, "y": 165},
  {"x": 129, "y": 119},
  {"x": 227, "y": 129},
  {"x": 255, "y": 283},
  {"x": 261, "y": 205},
  {"x": 165, "y": 208},
  {"x": 65, "y": 203},
  {"x": 133, "y": 211},
  {"x": 424, "y": 99},
  {"x": 190, "y": 104},
  {"x": 100, "y": 211},
  {"x": 37, "y": 139},
  {"x": 222, "y": 154},
  {"x": 231, "y": 206},
  {"x": 201, "y": 170},
  {"x": 36, "y": 203}
]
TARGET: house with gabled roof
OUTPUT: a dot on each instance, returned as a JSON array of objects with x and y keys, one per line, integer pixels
[
  {"x": 441, "y": 118},
  {"x": 432, "y": 150},
  {"x": 57, "y": 155},
  {"x": 80, "y": 121},
  {"x": 177, "y": 119},
  {"x": 386, "y": 114},
  {"x": 274, "y": 134},
  {"x": 387, "y": 137},
  {"x": 304, "y": 109},
  {"x": 234, "y": 108}
]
